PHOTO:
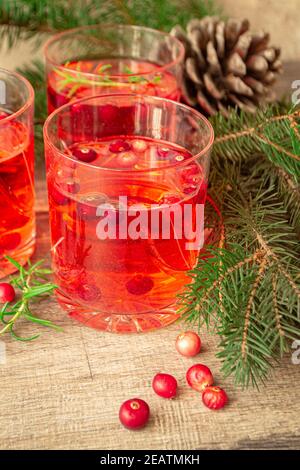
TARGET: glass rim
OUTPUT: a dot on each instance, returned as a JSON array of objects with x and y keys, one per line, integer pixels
[
  {"x": 29, "y": 101},
  {"x": 62, "y": 34},
  {"x": 188, "y": 109}
]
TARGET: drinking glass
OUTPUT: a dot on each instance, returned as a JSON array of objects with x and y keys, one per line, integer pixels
[
  {"x": 17, "y": 225},
  {"x": 127, "y": 180},
  {"x": 106, "y": 59}
]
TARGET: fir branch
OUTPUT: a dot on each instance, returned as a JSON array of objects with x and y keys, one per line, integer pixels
[
  {"x": 249, "y": 292},
  {"x": 25, "y": 19},
  {"x": 256, "y": 283}
]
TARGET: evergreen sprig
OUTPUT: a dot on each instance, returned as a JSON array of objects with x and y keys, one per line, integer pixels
[
  {"x": 248, "y": 289},
  {"x": 33, "y": 285},
  {"x": 24, "y": 19}
]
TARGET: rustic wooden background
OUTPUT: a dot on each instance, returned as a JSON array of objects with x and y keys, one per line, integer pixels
[{"x": 64, "y": 390}]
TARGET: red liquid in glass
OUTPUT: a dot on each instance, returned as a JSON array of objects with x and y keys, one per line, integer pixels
[
  {"x": 16, "y": 193},
  {"x": 118, "y": 284},
  {"x": 120, "y": 76}
]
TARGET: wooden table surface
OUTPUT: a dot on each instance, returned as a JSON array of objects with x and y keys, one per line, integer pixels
[{"x": 64, "y": 390}]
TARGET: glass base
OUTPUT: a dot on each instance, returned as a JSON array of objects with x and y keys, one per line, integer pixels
[
  {"x": 116, "y": 323},
  {"x": 21, "y": 255}
]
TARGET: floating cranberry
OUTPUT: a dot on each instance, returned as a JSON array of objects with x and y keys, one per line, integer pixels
[
  {"x": 3, "y": 115},
  {"x": 165, "y": 385},
  {"x": 139, "y": 285},
  {"x": 9, "y": 241},
  {"x": 164, "y": 152},
  {"x": 85, "y": 154},
  {"x": 127, "y": 159},
  {"x": 58, "y": 197},
  {"x": 71, "y": 186},
  {"x": 119, "y": 146},
  {"x": 199, "y": 377},
  {"x": 7, "y": 292},
  {"x": 179, "y": 158},
  {"x": 214, "y": 398},
  {"x": 89, "y": 292},
  {"x": 134, "y": 413},
  {"x": 190, "y": 189},
  {"x": 190, "y": 174},
  {"x": 139, "y": 146},
  {"x": 188, "y": 344},
  {"x": 88, "y": 204}
]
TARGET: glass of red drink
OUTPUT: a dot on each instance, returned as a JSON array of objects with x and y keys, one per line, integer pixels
[
  {"x": 111, "y": 159},
  {"x": 106, "y": 59},
  {"x": 17, "y": 222}
]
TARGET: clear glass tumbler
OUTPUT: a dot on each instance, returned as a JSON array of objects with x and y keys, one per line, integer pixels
[
  {"x": 17, "y": 221},
  {"x": 106, "y": 59},
  {"x": 127, "y": 180}
]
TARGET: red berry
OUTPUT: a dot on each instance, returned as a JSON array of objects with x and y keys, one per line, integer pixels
[
  {"x": 214, "y": 398},
  {"x": 7, "y": 292},
  {"x": 188, "y": 344},
  {"x": 139, "y": 285},
  {"x": 179, "y": 158},
  {"x": 199, "y": 377},
  {"x": 119, "y": 146},
  {"x": 164, "y": 152},
  {"x": 134, "y": 413},
  {"x": 191, "y": 174},
  {"x": 89, "y": 292},
  {"x": 71, "y": 186},
  {"x": 190, "y": 189},
  {"x": 3, "y": 115},
  {"x": 127, "y": 159},
  {"x": 139, "y": 145},
  {"x": 9, "y": 241},
  {"x": 84, "y": 154},
  {"x": 190, "y": 170},
  {"x": 165, "y": 385},
  {"x": 58, "y": 197}
]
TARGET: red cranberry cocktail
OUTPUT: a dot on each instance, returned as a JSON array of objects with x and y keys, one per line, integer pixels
[
  {"x": 127, "y": 179},
  {"x": 17, "y": 223},
  {"x": 106, "y": 59}
]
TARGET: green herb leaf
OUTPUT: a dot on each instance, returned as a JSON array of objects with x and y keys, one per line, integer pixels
[{"x": 32, "y": 284}]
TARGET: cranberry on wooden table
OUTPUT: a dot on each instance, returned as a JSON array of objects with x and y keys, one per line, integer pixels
[
  {"x": 7, "y": 292},
  {"x": 165, "y": 385},
  {"x": 134, "y": 413},
  {"x": 214, "y": 398},
  {"x": 188, "y": 344},
  {"x": 199, "y": 377}
]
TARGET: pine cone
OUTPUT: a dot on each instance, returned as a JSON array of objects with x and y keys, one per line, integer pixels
[{"x": 227, "y": 65}]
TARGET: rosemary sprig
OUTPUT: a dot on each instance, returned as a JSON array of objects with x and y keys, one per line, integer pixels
[
  {"x": 77, "y": 80},
  {"x": 33, "y": 285}
]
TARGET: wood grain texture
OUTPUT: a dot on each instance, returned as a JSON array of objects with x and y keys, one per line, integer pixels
[{"x": 64, "y": 390}]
